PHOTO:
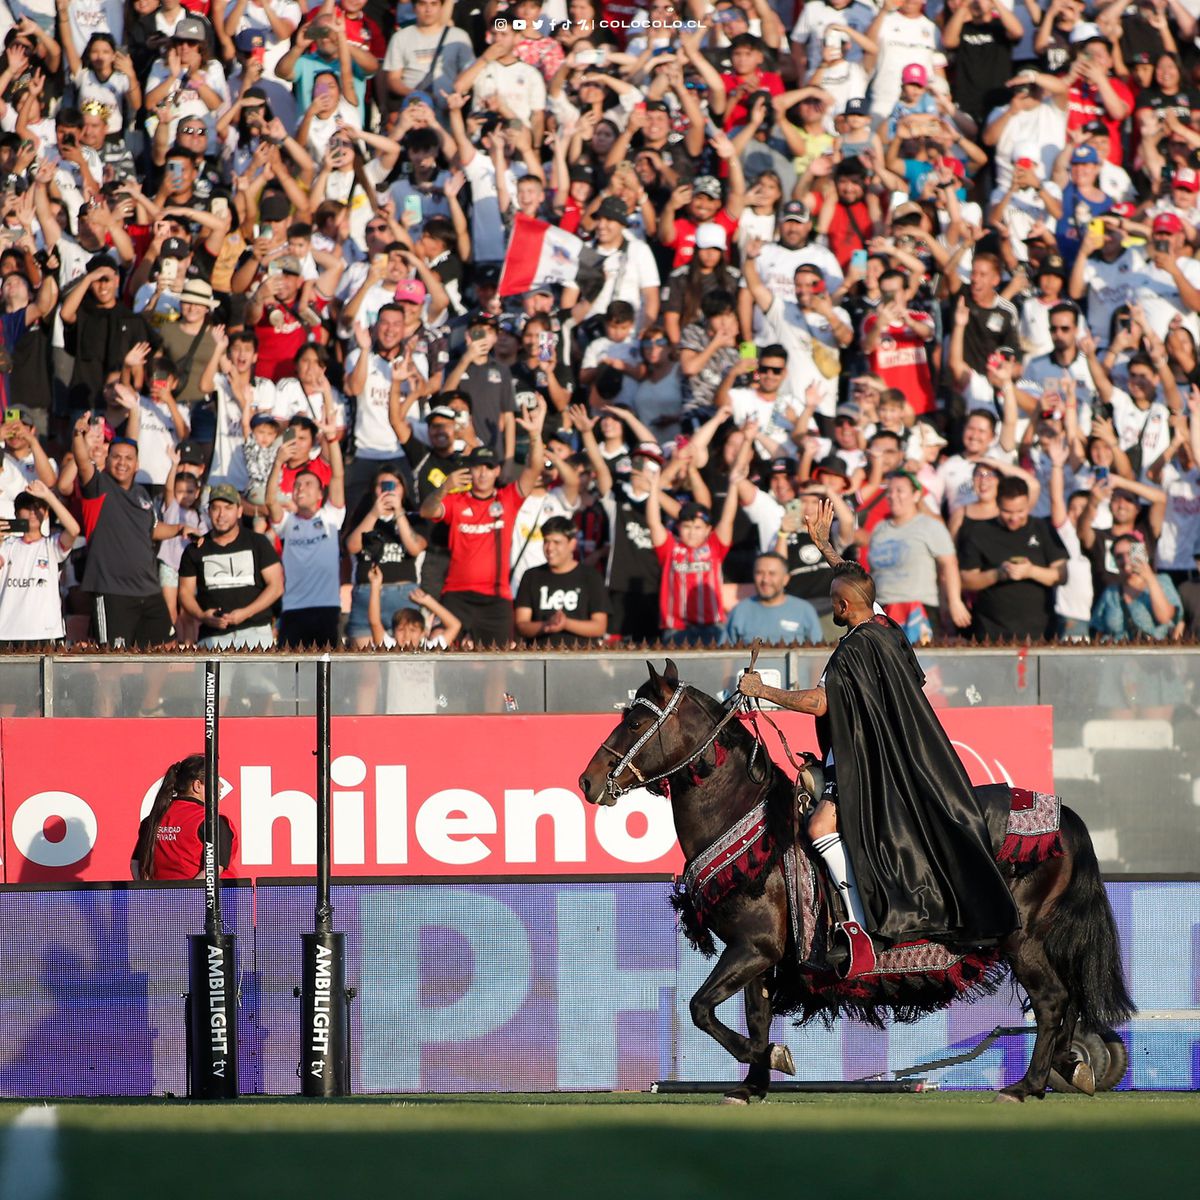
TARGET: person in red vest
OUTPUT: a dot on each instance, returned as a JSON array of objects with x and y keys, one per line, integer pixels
[{"x": 170, "y": 842}]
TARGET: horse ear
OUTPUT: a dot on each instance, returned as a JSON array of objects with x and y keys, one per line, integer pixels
[
  {"x": 653, "y": 673},
  {"x": 672, "y": 672}
]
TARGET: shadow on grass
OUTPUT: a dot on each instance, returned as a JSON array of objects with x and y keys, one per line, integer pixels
[{"x": 638, "y": 1159}]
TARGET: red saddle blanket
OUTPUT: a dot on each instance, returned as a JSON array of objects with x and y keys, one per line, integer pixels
[{"x": 740, "y": 860}]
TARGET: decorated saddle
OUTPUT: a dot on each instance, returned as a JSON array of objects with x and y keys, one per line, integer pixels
[{"x": 1025, "y": 832}]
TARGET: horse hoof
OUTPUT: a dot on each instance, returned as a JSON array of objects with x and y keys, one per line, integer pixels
[
  {"x": 1083, "y": 1080},
  {"x": 1007, "y": 1097},
  {"x": 781, "y": 1059},
  {"x": 736, "y": 1098}
]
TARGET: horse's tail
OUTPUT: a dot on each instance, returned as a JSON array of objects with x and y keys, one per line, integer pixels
[{"x": 1081, "y": 942}]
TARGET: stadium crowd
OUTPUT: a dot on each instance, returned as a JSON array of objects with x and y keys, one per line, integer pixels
[{"x": 445, "y": 323}]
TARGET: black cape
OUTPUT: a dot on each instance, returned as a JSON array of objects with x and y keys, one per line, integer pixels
[{"x": 914, "y": 829}]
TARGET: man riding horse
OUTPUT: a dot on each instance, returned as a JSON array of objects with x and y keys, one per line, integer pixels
[{"x": 902, "y": 834}]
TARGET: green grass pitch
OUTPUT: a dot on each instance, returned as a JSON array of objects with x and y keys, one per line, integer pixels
[{"x": 492, "y": 1147}]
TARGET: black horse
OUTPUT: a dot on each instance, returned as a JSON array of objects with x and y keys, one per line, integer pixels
[{"x": 680, "y": 742}]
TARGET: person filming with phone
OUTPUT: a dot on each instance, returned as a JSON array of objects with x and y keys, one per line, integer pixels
[{"x": 1143, "y": 604}]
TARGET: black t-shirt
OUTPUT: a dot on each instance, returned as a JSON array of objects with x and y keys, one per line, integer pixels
[
  {"x": 1020, "y": 608},
  {"x": 490, "y": 387},
  {"x": 533, "y": 379},
  {"x": 1182, "y": 102},
  {"x": 578, "y": 593},
  {"x": 809, "y": 575},
  {"x": 632, "y": 564},
  {"x": 983, "y": 63},
  {"x": 230, "y": 576},
  {"x": 429, "y": 470},
  {"x": 397, "y": 565},
  {"x": 987, "y": 330},
  {"x": 1104, "y": 566},
  {"x": 120, "y": 554}
]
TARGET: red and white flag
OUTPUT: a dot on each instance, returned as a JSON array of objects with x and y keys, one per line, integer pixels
[{"x": 538, "y": 253}]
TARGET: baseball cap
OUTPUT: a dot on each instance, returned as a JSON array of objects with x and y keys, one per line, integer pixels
[
  {"x": 481, "y": 317},
  {"x": 782, "y": 466},
  {"x": 1167, "y": 223},
  {"x": 1096, "y": 129},
  {"x": 658, "y": 106},
  {"x": 1053, "y": 264},
  {"x": 795, "y": 210},
  {"x": 833, "y": 465},
  {"x": 711, "y": 236},
  {"x": 442, "y": 411},
  {"x": 190, "y": 29},
  {"x": 707, "y": 185},
  {"x": 1124, "y": 209},
  {"x": 175, "y": 248},
  {"x": 418, "y": 98},
  {"x": 915, "y": 73},
  {"x": 288, "y": 264},
  {"x": 1139, "y": 58},
  {"x": 856, "y": 107},
  {"x": 192, "y": 453},
  {"x": 847, "y": 410},
  {"x": 264, "y": 418},
  {"x": 248, "y": 40},
  {"x": 410, "y": 291},
  {"x": 612, "y": 208},
  {"x": 927, "y": 435},
  {"x": 1186, "y": 178},
  {"x": 225, "y": 492},
  {"x": 693, "y": 511},
  {"x": 483, "y": 456},
  {"x": 581, "y": 174},
  {"x": 1086, "y": 31},
  {"x": 1084, "y": 154}
]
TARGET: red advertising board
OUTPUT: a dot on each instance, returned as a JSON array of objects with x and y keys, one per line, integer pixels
[{"x": 415, "y": 796}]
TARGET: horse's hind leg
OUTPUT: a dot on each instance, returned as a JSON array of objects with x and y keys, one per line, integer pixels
[
  {"x": 758, "y": 1022},
  {"x": 1050, "y": 1003},
  {"x": 1066, "y": 1068}
]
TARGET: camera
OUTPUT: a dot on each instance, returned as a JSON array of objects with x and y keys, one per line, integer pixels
[{"x": 373, "y": 546}]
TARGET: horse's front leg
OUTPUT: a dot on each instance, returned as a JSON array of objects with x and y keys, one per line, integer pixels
[{"x": 765, "y": 1056}]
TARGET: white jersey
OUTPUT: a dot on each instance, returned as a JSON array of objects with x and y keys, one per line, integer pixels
[
  {"x": 30, "y": 605},
  {"x": 1180, "y": 538},
  {"x": 310, "y": 558},
  {"x": 527, "y": 548}
]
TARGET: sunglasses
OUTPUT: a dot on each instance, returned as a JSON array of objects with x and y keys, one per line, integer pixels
[
  {"x": 197, "y": 129},
  {"x": 658, "y": 341},
  {"x": 376, "y": 228},
  {"x": 763, "y": 369}
]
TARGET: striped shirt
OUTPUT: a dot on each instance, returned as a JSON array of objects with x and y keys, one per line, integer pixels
[{"x": 689, "y": 590}]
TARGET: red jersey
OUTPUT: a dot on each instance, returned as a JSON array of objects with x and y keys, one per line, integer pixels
[
  {"x": 684, "y": 244},
  {"x": 179, "y": 843},
  {"x": 361, "y": 31},
  {"x": 279, "y": 341},
  {"x": 869, "y": 515},
  {"x": 481, "y": 534},
  {"x": 901, "y": 361},
  {"x": 689, "y": 589},
  {"x": 1084, "y": 105},
  {"x": 739, "y": 112},
  {"x": 849, "y": 230}
]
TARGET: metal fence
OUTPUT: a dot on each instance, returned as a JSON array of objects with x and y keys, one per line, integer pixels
[{"x": 1126, "y": 721}]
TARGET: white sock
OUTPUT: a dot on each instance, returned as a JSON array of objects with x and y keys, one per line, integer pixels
[{"x": 830, "y": 848}]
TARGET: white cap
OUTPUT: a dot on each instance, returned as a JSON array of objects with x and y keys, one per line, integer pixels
[
  {"x": 711, "y": 236},
  {"x": 1085, "y": 31}
]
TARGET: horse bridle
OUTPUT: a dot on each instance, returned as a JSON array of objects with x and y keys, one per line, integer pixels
[{"x": 662, "y": 716}]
